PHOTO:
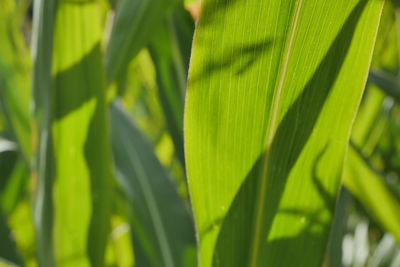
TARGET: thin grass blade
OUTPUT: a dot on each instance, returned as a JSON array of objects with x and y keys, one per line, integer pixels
[{"x": 43, "y": 172}]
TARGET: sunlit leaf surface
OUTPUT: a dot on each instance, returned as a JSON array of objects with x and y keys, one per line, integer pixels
[
  {"x": 82, "y": 158},
  {"x": 272, "y": 96}
]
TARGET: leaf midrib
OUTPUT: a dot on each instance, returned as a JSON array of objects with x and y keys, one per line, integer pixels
[{"x": 262, "y": 189}]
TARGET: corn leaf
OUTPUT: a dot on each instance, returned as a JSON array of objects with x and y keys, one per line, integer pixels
[
  {"x": 134, "y": 24},
  {"x": 82, "y": 157},
  {"x": 370, "y": 119},
  {"x": 366, "y": 184},
  {"x": 170, "y": 52},
  {"x": 371, "y": 190},
  {"x": 163, "y": 231},
  {"x": 272, "y": 96}
]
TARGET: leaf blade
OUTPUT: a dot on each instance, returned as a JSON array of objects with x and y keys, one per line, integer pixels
[
  {"x": 255, "y": 112},
  {"x": 163, "y": 229}
]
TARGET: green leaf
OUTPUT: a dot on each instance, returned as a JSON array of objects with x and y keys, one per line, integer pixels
[
  {"x": 163, "y": 231},
  {"x": 371, "y": 190},
  {"x": 82, "y": 182},
  {"x": 359, "y": 177},
  {"x": 272, "y": 96},
  {"x": 368, "y": 126},
  {"x": 170, "y": 51},
  {"x": 338, "y": 229},
  {"x": 42, "y": 173},
  {"x": 134, "y": 25}
]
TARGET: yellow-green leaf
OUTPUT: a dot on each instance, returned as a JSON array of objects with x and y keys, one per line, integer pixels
[
  {"x": 273, "y": 91},
  {"x": 80, "y": 133}
]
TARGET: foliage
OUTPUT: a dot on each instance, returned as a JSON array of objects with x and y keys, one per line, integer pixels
[{"x": 177, "y": 133}]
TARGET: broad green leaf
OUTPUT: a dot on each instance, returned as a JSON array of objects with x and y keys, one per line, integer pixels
[
  {"x": 371, "y": 190},
  {"x": 82, "y": 179},
  {"x": 162, "y": 228},
  {"x": 133, "y": 27},
  {"x": 170, "y": 51},
  {"x": 272, "y": 96}
]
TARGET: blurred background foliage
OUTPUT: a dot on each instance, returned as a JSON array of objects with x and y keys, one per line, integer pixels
[{"x": 146, "y": 88}]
